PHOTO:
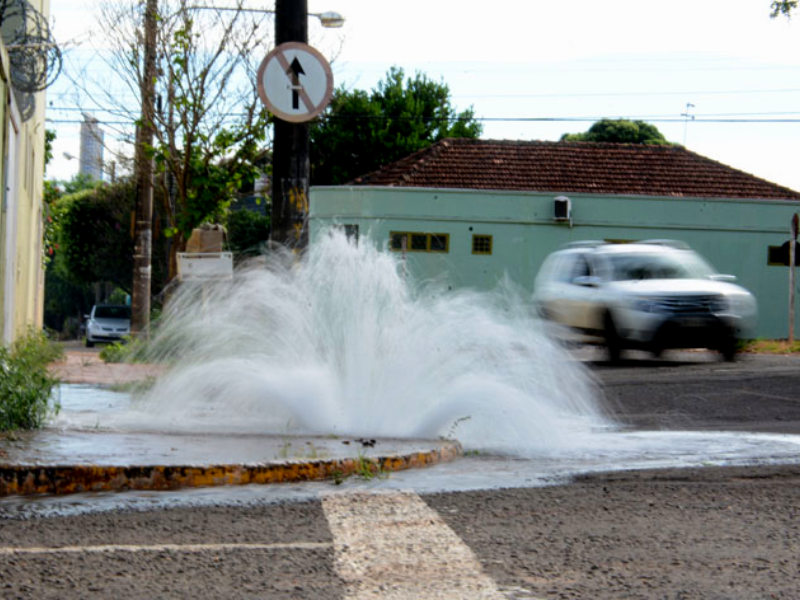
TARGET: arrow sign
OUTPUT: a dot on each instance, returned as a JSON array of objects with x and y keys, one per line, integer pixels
[
  {"x": 285, "y": 93},
  {"x": 295, "y": 70}
]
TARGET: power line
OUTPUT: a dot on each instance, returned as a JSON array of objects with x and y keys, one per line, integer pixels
[
  {"x": 625, "y": 94},
  {"x": 664, "y": 119}
]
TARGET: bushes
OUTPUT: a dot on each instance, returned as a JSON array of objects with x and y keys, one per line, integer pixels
[
  {"x": 247, "y": 232},
  {"x": 25, "y": 383}
]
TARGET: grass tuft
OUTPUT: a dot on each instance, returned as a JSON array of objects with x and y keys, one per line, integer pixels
[{"x": 770, "y": 347}]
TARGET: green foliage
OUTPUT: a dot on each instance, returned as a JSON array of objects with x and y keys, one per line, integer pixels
[
  {"x": 783, "y": 7},
  {"x": 761, "y": 346},
  {"x": 619, "y": 131},
  {"x": 360, "y": 132},
  {"x": 369, "y": 468},
  {"x": 49, "y": 138},
  {"x": 247, "y": 232},
  {"x": 202, "y": 156},
  {"x": 79, "y": 183},
  {"x": 25, "y": 383},
  {"x": 51, "y": 216},
  {"x": 65, "y": 302},
  {"x": 95, "y": 238},
  {"x": 116, "y": 352},
  {"x": 212, "y": 182},
  {"x": 64, "y": 299}
]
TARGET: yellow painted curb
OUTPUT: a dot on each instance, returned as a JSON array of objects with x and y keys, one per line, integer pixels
[{"x": 25, "y": 480}]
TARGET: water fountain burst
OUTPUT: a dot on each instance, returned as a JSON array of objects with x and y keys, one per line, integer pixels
[{"x": 341, "y": 343}]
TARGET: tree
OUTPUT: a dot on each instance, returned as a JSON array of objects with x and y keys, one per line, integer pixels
[
  {"x": 619, "y": 131},
  {"x": 95, "y": 245},
  {"x": 360, "y": 131},
  {"x": 95, "y": 238},
  {"x": 209, "y": 122},
  {"x": 783, "y": 7},
  {"x": 247, "y": 230},
  {"x": 65, "y": 299}
]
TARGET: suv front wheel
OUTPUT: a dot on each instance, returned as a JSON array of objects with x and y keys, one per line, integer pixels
[
  {"x": 612, "y": 339},
  {"x": 728, "y": 349}
]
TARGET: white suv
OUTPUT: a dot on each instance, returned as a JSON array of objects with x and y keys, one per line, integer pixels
[{"x": 649, "y": 295}]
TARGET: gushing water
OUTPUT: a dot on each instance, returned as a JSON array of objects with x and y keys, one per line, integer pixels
[{"x": 342, "y": 343}]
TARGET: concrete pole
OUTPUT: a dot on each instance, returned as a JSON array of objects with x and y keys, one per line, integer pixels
[
  {"x": 290, "y": 150},
  {"x": 143, "y": 226}
]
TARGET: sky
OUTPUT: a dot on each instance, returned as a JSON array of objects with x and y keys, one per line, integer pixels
[{"x": 719, "y": 77}]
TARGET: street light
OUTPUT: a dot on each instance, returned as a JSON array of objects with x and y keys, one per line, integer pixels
[{"x": 329, "y": 19}]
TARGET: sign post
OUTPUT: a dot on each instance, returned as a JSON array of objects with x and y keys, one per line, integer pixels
[{"x": 295, "y": 83}]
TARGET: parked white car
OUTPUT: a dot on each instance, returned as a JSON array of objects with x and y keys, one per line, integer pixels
[
  {"x": 107, "y": 323},
  {"x": 647, "y": 295}
]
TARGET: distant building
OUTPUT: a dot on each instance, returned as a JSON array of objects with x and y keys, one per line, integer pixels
[
  {"x": 469, "y": 212},
  {"x": 91, "y": 157}
]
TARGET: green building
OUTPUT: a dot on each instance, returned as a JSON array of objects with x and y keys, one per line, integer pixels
[{"x": 470, "y": 212}]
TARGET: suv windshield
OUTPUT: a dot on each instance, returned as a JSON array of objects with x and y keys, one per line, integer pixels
[
  {"x": 112, "y": 312},
  {"x": 686, "y": 265}
]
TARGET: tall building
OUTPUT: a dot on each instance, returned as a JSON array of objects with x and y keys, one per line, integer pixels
[{"x": 91, "y": 157}]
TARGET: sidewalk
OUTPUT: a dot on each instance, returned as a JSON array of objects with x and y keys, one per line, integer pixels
[
  {"x": 84, "y": 365},
  {"x": 58, "y": 461}
]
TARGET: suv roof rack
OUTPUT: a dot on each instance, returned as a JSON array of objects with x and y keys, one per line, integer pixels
[
  {"x": 677, "y": 244},
  {"x": 585, "y": 244}
]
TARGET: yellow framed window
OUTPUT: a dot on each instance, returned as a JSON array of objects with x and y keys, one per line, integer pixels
[{"x": 481, "y": 244}]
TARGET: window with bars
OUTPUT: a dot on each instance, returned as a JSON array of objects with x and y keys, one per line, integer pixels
[
  {"x": 409, "y": 241},
  {"x": 481, "y": 244},
  {"x": 778, "y": 256}
]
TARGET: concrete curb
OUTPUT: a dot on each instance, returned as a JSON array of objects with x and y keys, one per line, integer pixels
[{"x": 27, "y": 480}]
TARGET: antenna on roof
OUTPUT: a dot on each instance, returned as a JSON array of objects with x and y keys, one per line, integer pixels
[{"x": 687, "y": 115}]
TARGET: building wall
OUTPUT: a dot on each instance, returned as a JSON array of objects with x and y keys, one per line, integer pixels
[
  {"x": 21, "y": 225},
  {"x": 734, "y": 235}
]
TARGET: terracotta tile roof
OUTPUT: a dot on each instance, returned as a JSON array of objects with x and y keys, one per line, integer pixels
[{"x": 572, "y": 167}]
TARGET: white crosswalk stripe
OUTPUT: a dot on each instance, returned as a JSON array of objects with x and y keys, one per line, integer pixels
[
  {"x": 186, "y": 548},
  {"x": 394, "y": 546}
]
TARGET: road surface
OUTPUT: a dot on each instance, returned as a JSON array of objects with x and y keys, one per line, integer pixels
[{"x": 721, "y": 532}]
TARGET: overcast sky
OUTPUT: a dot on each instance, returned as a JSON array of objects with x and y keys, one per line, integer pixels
[{"x": 535, "y": 69}]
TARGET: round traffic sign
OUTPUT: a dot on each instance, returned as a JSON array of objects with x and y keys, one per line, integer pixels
[{"x": 295, "y": 82}]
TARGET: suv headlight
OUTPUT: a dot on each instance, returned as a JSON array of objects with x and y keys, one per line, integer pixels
[{"x": 742, "y": 305}]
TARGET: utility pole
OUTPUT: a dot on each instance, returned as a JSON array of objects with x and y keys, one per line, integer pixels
[
  {"x": 143, "y": 227},
  {"x": 793, "y": 231},
  {"x": 290, "y": 150}
]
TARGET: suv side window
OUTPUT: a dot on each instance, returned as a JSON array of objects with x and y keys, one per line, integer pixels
[
  {"x": 562, "y": 270},
  {"x": 581, "y": 267}
]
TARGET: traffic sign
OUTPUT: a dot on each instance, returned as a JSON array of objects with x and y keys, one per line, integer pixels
[{"x": 295, "y": 82}]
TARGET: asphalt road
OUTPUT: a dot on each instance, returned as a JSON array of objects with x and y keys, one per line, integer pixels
[{"x": 676, "y": 533}]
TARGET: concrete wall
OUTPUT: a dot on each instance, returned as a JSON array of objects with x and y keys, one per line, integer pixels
[
  {"x": 21, "y": 225},
  {"x": 734, "y": 235}
]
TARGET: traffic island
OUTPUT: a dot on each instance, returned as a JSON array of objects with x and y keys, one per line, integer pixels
[{"x": 336, "y": 460}]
